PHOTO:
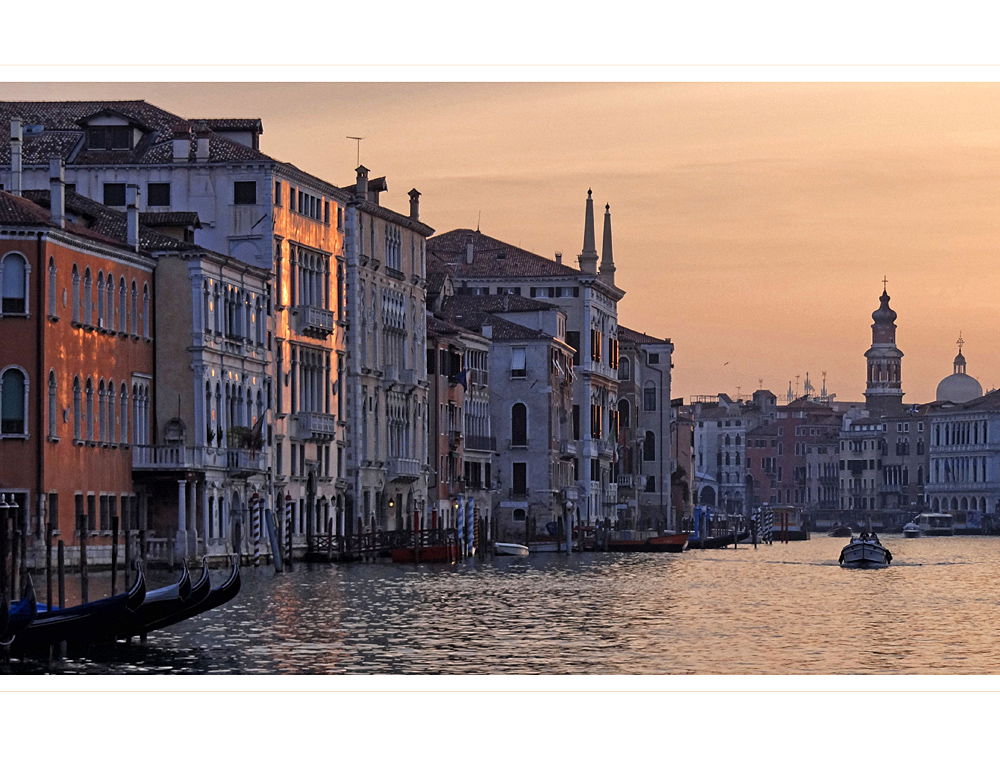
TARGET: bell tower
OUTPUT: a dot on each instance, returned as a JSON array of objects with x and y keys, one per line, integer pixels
[{"x": 884, "y": 395}]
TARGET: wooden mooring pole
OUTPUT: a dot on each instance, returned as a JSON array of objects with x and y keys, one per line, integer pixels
[
  {"x": 49, "y": 528},
  {"x": 114, "y": 554},
  {"x": 84, "y": 578}
]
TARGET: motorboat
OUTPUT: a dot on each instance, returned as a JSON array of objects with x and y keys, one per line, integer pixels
[
  {"x": 634, "y": 542},
  {"x": 936, "y": 524},
  {"x": 911, "y": 530},
  {"x": 865, "y": 551},
  {"x": 507, "y": 549},
  {"x": 842, "y": 531}
]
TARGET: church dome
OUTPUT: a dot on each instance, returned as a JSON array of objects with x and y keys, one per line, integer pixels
[{"x": 959, "y": 386}]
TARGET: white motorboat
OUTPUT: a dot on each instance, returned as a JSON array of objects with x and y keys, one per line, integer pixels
[
  {"x": 936, "y": 524},
  {"x": 865, "y": 552},
  {"x": 911, "y": 530},
  {"x": 504, "y": 549}
]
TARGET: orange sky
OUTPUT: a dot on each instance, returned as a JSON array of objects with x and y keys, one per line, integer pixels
[{"x": 753, "y": 222}]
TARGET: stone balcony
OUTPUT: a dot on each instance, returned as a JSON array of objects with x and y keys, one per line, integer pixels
[
  {"x": 567, "y": 449},
  {"x": 163, "y": 457},
  {"x": 626, "y": 481},
  {"x": 481, "y": 443},
  {"x": 403, "y": 469},
  {"x": 316, "y": 426},
  {"x": 408, "y": 376},
  {"x": 242, "y": 463},
  {"x": 313, "y": 321}
]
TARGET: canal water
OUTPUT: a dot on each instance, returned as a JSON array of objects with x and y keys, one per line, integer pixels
[{"x": 783, "y": 608}]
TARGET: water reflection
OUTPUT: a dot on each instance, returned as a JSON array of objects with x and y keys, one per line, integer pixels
[{"x": 778, "y": 609}]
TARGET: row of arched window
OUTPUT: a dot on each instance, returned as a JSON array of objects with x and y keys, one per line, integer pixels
[
  {"x": 102, "y": 303},
  {"x": 108, "y": 421},
  {"x": 232, "y": 312},
  {"x": 229, "y": 404}
]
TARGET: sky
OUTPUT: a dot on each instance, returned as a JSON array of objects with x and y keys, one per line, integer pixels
[{"x": 753, "y": 222}]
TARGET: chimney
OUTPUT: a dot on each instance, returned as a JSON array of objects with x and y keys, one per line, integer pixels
[
  {"x": 414, "y": 204},
  {"x": 470, "y": 249},
  {"x": 182, "y": 142},
  {"x": 15, "y": 156},
  {"x": 57, "y": 192},
  {"x": 132, "y": 216},
  {"x": 361, "y": 190},
  {"x": 201, "y": 132},
  {"x": 559, "y": 258}
]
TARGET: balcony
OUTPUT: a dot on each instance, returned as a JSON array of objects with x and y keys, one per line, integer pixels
[
  {"x": 611, "y": 493},
  {"x": 605, "y": 448},
  {"x": 625, "y": 482},
  {"x": 242, "y": 463},
  {"x": 316, "y": 426},
  {"x": 517, "y": 494},
  {"x": 315, "y": 322},
  {"x": 408, "y": 376},
  {"x": 167, "y": 458},
  {"x": 454, "y": 438},
  {"x": 481, "y": 443},
  {"x": 390, "y": 374},
  {"x": 567, "y": 449},
  {"x": 403, "y": 469}
]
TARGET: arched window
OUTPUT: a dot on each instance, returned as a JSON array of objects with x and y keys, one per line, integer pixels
[
  {"x": 14, "y": 402},
  {"x": 122, "y": 306},
  {"x": 14, "y": 271},
  {"x": 123, "y": 410},
  {"x": 260, "y": 322},
  {"x": 88, "y": 300},
  {"x": 102, "y": 429},
  {"x": 134, "y": 312},
  {"x": 649, "y": 397},
  {"x": 145, "y": 310},
  {"x": 52, "y": 287},
  {"x": 52, "y": 405},
  {"x": 100, "y": 298},
  {"x": 624, "y": 369},
  {"x": 206, "y": 307},
  {"x": 216, "y": 312},
  {"x": 90, "y": 411},
  {"x": 649, "y": 446},
  {"x": 624, "y": 413},
  {"x": 76, "y": 294},
  {"x": 728, "y": 440},
  {"x": 519, "y": 425},
  {"x": 109, "y": 311},
  {"x": 111, "y": 412},
  {"x": 135, "y": 414},
  {"x": 77, "y": 411}
]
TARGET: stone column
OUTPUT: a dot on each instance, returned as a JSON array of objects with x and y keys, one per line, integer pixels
[
  {"x": 206, "y": 513},
  {"x": 192, "y": 503},
  {"x": 181, "y": 545}
]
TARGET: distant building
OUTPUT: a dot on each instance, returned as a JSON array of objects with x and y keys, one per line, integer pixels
[
  {"x": 959, "y": 386},
  {"x": 884, "y": 393},
  {"x": 682, "y": 461}
]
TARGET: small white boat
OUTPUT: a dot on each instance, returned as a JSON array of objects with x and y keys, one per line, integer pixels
[
  {"x": 865, "y": 552},
  {"x": 911, "y": 530},
  {"x": 936, "y": 524},
  {"x": 504, "y": 549}
]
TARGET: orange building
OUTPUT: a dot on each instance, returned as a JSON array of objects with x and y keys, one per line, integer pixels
[{"x": 76, "y": 362}]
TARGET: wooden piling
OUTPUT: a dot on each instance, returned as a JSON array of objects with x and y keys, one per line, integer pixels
[
  {"x": 329, "y": 544},
  {"x": 15, "y": 563},
  {"x": 128, "y": 556},
  {"x": 171, "y": 554},
  {"x": 143, "y": 547},
  {"x": 61, "y": 574},
  {"x": 114, "y": 554},
  {"x": 49, "y": 528},
  {"x": 84, "y": 578}
]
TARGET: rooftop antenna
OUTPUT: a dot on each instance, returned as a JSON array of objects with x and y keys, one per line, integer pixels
[
  {"x": 760, "y": 383},
  {"x": 824, "y": 384},
  {"x": 478, "y": 220},
  {"x": 358, "y": 140},
  {"x": 796, "y": 384}
]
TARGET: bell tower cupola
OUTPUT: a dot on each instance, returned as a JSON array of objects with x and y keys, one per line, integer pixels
[{"x": 884, "y": 393}]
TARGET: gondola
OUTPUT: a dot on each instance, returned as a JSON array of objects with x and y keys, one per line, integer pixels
[
  {"x": 83, "y": 624},
  {"x": 212, "y": 599},
  {"x": 717, "y": 542},
  {"x": 20, "y": 615},
  {"x": 158, "y": 604},
  {"x": 198, "y": 594}
]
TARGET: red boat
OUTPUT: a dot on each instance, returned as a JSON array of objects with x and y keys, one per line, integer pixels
[{"x": 667, "y": 543}]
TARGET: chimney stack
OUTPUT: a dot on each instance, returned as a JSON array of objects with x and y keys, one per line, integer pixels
[
  {"x": 414, "y": 204},
  {"x": 57, "y": 192},
  {"x": 361, "y": 190},
  {"x": 559, "y": 258},
  {"x": 201, "y": 132},
  {"x": 132, "y": 216},
  {"x": 470, "y": 249},
  {"x": 182, "y": 142},
  {"x": 16, "y": 136}
]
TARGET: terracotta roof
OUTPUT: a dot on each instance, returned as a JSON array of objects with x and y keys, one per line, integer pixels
[
  {"x": 503, "y": 330},
  {"x": 628, "y": 335},
  {"x": 170, "y": 218},
  {"x": 492, "y": 258},
  {"x": 493, "y": 303},
  {"x": 435, "y": 280},
  {"x": 18, "y": 210},
  {"x": 63, "y": 134},
  {"x": 233, "y": 124}
]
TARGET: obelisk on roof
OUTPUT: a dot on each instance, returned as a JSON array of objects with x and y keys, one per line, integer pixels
[
  {"x": 607, "y": 255},
  {"x": 588, "y": 258}
]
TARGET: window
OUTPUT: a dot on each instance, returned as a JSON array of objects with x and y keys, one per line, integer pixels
[
  {"x": 244, "y": 192},
  {"x": 519, "y": 478},
  {"x": 624, "y": 413},
  {"x": 52, "y": 288},
  {"x": 277, "y": 193},
  {"x": 519, "y": 425},
  {"x": 517, "y": 363},
  {"x": 89, "y": 435},
  {"x": 518, "y": 515},
  {"x": 52, "y": 405},
  {"x": 649, "y": 398},
  {"x": 109, "y": 138},
  {"x": 653, "y": 359},
  {"x": 91, "y": 513},
  {"x": 14, "y": 402},
  {"x": 114, "y": 194},
  {"x": 14, "y": 282},
  {"x": 158, "y": 194},
  {"x": 649, "y": 446},
  {"x": 573, "y": 340},
  {"x": 624, "y": 369}
]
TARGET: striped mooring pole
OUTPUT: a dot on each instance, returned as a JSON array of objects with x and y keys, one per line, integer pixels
[{"x": 256, "y": 532}]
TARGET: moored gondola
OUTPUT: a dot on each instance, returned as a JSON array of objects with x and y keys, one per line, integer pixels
[
  {"x": 717, "y": 542},
  {"x": 83, "y": 624},
  {"x": 20, "y": 615},
  {"x": 158, "y": 604},
  {"x": 197, "y": 596},
  {"x": 211, "y": 598}
]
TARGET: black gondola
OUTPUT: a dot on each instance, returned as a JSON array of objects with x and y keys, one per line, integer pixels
[
  {"x": 197, "y": 596},
  {"x": 158, "y": 604},
  {"x": 212, "y": 599},
  {"x": 717, "y": 542},
  {"x": 20, "y": 615},
  {"x": 84, "y": 624}
]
